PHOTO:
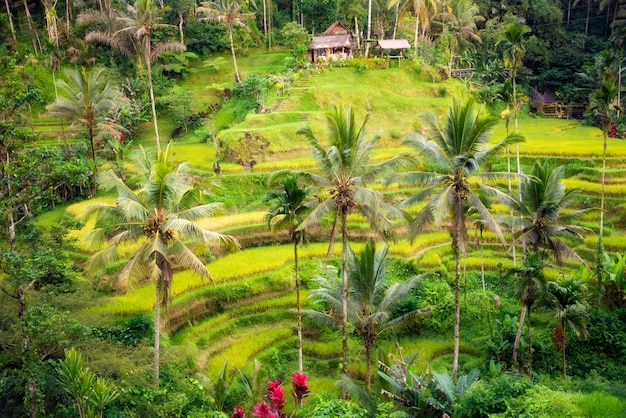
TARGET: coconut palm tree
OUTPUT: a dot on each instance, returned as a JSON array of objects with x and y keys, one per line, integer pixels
[
  {"x": 142, "y": 19},
  {"x": 344, "y": 170},
  {"x": 287, "y": 209},
  {"x": 569, "y": 311},
  {"x": 228, "y": 12},
  {"x": 458, "y": 148},
  {"x": 460, "y": 24},
  {"x": 161, "y": 217},
  {"x": 370, "y": 301},
  {"x": 530, "y": 283},
  {"x": 539, "y": 212},
  {"x": 513, "y": 54},
  {"x": 604, "y": 103},
  {"x": 89, "y": 98}
]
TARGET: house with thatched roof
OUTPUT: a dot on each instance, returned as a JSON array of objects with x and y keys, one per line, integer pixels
[
  {"x": 335, "y": 43},
  {"x": 392, "y": 48}
]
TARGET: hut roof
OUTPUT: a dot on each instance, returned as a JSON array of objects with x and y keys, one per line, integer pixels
[
  {"x": 332, "y": 41},
  {"x": 336, "y": 28},
  {"x": 393, "y": 44}
]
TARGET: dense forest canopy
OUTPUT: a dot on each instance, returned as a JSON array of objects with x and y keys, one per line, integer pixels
[{"x": 429, "y": 229}]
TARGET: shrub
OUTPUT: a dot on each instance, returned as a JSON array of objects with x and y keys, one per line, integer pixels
[{"x": 327, "y": 406}]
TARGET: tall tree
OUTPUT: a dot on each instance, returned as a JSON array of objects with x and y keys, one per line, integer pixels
[
  {"x": 142, "y": 20},
  {"x": 569, "y": 311},
  {"x": 287, "y": 209},
  {"x": 89, "y": 98},
  {"x": 457, "y": 149},
  {"x": 422, "y": 10},
  {"x": 530, "y": 283},
  {"x": 543, "y": 215},
  {"x": 604, "y": 103},
  {"x": 161, "y": 217},
  {"x": 460, "y": 23},
  {"x": 228, "y": 12},
  {"x": 370, "y": 300},
  {"x": 344, "y": 170}
]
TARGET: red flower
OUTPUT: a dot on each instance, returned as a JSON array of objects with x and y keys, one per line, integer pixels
[
  {"x": 238, "y": 413},
  {"x": 276, "y": 396},
  {"x": 262, "y": 410},
  {"x": 300, "y": 388}
]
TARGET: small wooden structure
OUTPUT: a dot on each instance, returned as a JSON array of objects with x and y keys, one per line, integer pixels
[
  {"x": 392, "y": 48},
  {"x": 335, "y": 43}
]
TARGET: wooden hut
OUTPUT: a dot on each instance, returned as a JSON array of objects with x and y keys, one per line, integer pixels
[
  {"x": 335, "y": 43},
  {"x": 392, "y": 48}
]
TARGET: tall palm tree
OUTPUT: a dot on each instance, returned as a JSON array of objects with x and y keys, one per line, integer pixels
[
  {"x": 142, "y": 19},
  {"x": 540, "y": 212},
  {"x": 228, "y": 12},
  {"x": 370, "y": 301},
  {"x": 161, "y": 216},
  {"x": 458, "y": 148},
  {"x": 287, "y": 209},
  {"x": 88, "y": 98},
  {"x": 531, "y": 282},
  {"x": 604, "y": 103},
  {"x": 460, "y": 22},
  {"x": 569, "y": 311},
  {"x": 344, "y": 170}
]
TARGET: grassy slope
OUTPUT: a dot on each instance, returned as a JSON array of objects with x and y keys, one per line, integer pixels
[{"x": 393, "y": 100}]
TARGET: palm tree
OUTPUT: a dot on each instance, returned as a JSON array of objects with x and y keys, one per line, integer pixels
[
  {"x": 89, "y": 98},
  {"x": 161, "y": 216},
  {"x": 460, "y": 23},
  {"x": 458, "y": 149},
  {"x": 423, "y": 10},
  {"x": 370, "y": 301},
  {"x": 227, "y": 12},
  {"x": 531, "y": 282},
  {"x": 604, "y": 103},
  {"x": 144, "y": 17},
  {"x": 568, "y": 311},
  {"x": 540, "y": 212},
  {"x": 287, "y": 209},
  {"x": 344, "y": 173}
]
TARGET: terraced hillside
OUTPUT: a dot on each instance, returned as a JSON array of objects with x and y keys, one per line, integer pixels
[{"x": 249, "y": 315}]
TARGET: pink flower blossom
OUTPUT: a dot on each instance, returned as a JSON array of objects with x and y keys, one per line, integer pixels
[
  {"x": 300, "y": 388},
  {"x": 262, "y": 410},
  {"x": 238, "y": 413},
  {"x": 276, "y": 396}
]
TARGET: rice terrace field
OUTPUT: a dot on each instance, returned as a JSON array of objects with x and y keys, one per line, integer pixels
[{"x": 242, "y": 321}]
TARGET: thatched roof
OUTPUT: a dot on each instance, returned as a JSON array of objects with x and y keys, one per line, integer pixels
[
  {"x": 336, "y": 28},
  {"x": 393, "y": 44},
  {"x": 332, "y": 41}
]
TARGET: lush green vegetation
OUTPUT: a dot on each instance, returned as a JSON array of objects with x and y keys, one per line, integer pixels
[{"x": 491, "y": 294}]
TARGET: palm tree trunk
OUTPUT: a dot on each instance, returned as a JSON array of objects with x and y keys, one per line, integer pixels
[
  {"x": 603, "y": 180},
  {"x": 344, "y": 290},
  {"x": 6, "y": 4},
  {"x": 368, "y": 365},
  {"x": 530, "y": 346},
  {"x": 369, "y": 27},
  {"x": 157, "y": 333},
  {"x": 457, "y": 232},
  {"x": 264, "y": 21},
  {"x": 31, "y": 29},
  {"x": 395, "y": 23},
  {"x": 357, "y": 33},
  {"x": 295, "y": 254},
  {"x": 563, "y": 346},
  {"x": 417, "y": 25},
  {"x": 587, "y": 20},
  {"x": 180, "y": 27},
  {"x": 232, "y": 51},
  {"x": 147, "y": 48},
  {"x": 518, "y": 336}
]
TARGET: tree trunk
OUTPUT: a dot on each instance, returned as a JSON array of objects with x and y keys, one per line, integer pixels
[
  {"x": 295, "y": 254},
  {"x": 417, "y": 25},
  {"x": 564, "y": 359},
  {"x": 180, "y": 27},
  {"x": 344, "y": 290},
  {"x": 368, "y": 365},
  {"x": 6, "y": 3},
  {"x": 157, "y": 333},
  {"x": 587, "y": 20},
  {"x": 148, "y": 53},
  {"x": 232, "y": 51},
  {"x": 602, "y": 182},
  {"x": 530, "y": 346},
  {"x": 457, "y": 237},
  {"x": 264, "y": 20},
  {"x": 357, "y": 33},
  {"x": 369, "y": 28},
  {"x": 31, "y": 29},
  {"x": 569, "y": 11},
  {"x": 395, "y": 24},
  {"x": 518, "y": 336}
]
